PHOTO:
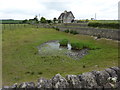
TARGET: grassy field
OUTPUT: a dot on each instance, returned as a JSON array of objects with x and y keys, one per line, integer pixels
[
  {"x": 104, "y": 24},
  {"x": 22, "y": 63},
  {"x": 15, "y": 26},
  {"x": 100, "y": 21},
  {"x": 104, "y": 21},
  {"x": 11, "y": 21}
]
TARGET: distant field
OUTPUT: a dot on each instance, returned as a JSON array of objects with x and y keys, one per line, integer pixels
[
  {"x": 15, "y": 26},
  {"x": 22, "y": 63},
  {"x": 11, "y": 21},
  {"x": 104, "y": 21},
  {"x": 20, "y": 21},
  {"x": 104, "y": 24},
  {"x": 112, "y": 24}
]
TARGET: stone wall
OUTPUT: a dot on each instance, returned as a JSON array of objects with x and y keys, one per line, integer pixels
[
  {"x": 76, "y": 24},
  {"x": 85, "y": 30},
  {"x": 95, "y": 80}
]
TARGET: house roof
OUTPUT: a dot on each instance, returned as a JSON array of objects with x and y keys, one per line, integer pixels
[{"x": 65, "y": 14}]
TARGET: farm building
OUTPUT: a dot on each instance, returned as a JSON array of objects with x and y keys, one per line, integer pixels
[{"x": 66, "y": 17}]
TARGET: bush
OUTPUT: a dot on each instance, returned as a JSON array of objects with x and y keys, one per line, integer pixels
[
  {"x": 43, "y": 20},
  {"x": 67, "y": 31},
  {"x": 40, "y": 73},
  {"x": 63, "y": 42},
  {"x": 104, "y": 25},
  {"x": 53, "y": 27},
  {"x": 32, "y": 73},
  {"x": 81, "y": 45},
  {"x": 86, "y": 20},
  {"x": 57, "y": 29},
  {"x": 49, "y": 21},
  {"x": 77, "y": 46},
  {"x": 73, "y": 32}
]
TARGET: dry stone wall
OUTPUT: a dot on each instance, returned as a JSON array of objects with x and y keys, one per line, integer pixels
[
  {"x": 104, "y": 33},
  {"x": 85, "y": 30},
  {"x": 95, "y": 80}
]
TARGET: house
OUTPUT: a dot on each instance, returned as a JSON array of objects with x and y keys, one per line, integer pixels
[{"x": 66, "y": 17}]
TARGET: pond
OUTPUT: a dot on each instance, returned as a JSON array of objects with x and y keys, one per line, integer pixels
[{"x": 53, "y": 48}]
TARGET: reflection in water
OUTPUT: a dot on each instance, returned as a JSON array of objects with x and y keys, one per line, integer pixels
[{"x": 53, "y": 48}]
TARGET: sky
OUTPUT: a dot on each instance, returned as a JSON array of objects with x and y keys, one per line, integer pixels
[{"x": 81, "y": 9}]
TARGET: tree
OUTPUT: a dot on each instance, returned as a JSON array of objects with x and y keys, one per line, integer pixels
[
  {"x": 54, "y": 20},
  {"x": 86, "y": 20},
  {"x": 49, "y": 21},
  {"x": 25, "y": 21},
  {"x": 36, "y": 18},
  {"x": 43, "y": 20}
]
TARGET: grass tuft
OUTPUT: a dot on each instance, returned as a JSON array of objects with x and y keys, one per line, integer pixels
[
  {"x": 40, "y": 73},
  {"x": 63, "y": 42},
  {"x": 73, "y": 32},
  {"x": 66, "y": 31},
  {"x": 81, "y": 45}
]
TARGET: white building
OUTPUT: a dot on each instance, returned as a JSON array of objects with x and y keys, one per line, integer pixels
[{"x": 66, "y": 17}]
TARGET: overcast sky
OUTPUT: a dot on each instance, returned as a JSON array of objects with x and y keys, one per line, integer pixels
[{"x": 82, "y": 9}]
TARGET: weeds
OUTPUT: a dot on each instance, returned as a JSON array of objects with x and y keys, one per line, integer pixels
[
  {"x": 66, "y": 31},
  {"x": 30, "y": 72},
  {"x": 63, "y": 42},
  {"x": 73, "y": 32},
  {"x": 81, "y": 45},
  {"x": 56, "y": 28},
  {"x": 40, "y": 73}
]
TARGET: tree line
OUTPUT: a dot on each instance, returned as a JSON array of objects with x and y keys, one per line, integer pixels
[{"x": 35, "y": 20}]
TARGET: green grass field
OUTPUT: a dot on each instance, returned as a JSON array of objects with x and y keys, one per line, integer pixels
[
  {"x": 11, "y": 21},
  {"x": 22, "y": 63},
  {"x": 100, "y": 21},
  {"x": 104, "y": 21},
  {"x": 15, "y": 26}
]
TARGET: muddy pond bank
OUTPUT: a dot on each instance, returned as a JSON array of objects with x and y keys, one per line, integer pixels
[{"x": 53, "y": 48}]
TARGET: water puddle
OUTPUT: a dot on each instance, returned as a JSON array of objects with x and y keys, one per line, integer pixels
[{"x": 53, "y": 48}]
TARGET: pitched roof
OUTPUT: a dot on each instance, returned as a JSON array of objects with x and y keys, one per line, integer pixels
[
  {"x": 61, "y": 15},
  {"x": 65, "y": 14}
]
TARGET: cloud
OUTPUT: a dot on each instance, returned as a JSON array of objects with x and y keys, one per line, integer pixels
[
  {"x": 119, "y": 11},
  {"x": 59, "y": 6},
  {"x": 82, "y": 9}
]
